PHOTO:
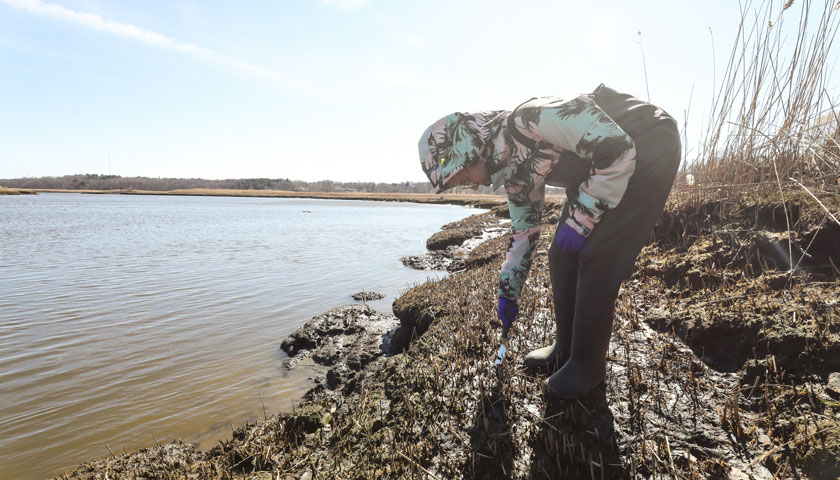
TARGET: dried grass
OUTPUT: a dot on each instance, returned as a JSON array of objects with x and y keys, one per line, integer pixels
[{"x": 772, "y": 119}]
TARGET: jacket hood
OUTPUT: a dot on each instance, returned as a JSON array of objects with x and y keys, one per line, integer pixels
[{"x": 456, "y": 141}]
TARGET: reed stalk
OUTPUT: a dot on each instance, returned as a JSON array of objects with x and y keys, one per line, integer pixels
[{"x": 772, "y": 117}]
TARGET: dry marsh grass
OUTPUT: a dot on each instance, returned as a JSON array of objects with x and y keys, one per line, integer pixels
[
  {"x": 398, "y": 197},
  {"x": 14, "y": 191},
  {"x": 773, "y": 119},
  {"x": 484, "y": 201}
]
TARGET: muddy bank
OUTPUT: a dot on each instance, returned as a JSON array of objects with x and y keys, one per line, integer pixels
[
  {"x": 345, "y": 339},
  {"x": 450, "y": 248},
  {"x": 722, "y": 365}
]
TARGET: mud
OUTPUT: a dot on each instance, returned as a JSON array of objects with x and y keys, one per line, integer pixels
[
  {"x": 754, "y": 293},
  {"x": 435, "y": 260},
  {"x": 346, "y": 339},
  {"x": 723, "y": 364},
  {"x": 365, "y": 296},
  {"x": 450, "y": 248}
]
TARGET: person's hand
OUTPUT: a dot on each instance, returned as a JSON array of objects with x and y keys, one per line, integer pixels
[
  {"x": 508, "y": 309},
  {"x": 569, "y": 240}
]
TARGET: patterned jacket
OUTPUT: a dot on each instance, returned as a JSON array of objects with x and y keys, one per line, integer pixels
[{"x": 538, "y": 140}]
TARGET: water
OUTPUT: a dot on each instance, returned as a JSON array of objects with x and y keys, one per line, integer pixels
[{"x": 126, "y": 320}]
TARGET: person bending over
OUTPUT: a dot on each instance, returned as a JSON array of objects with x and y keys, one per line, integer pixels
[{"x": 617, "y": 157}]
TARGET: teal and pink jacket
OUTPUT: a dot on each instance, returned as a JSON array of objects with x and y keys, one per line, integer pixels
[{"x": 523, "y": 149}]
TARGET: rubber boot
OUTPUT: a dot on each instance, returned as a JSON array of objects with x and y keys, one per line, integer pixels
[
  {"x": 550, "y": 358},
  {"x": 563, "y": 268},
  {"x": 587, "y": 367}
]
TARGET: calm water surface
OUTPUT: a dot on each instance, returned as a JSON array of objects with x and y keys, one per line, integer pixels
[{"x": 125, "y": 319}]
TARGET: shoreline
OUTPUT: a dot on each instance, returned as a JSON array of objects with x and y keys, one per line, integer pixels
[
  {"x": 338, "y": 346},
  {"x": 702, "y": 380},
  {"x": 462, "y": 199}
]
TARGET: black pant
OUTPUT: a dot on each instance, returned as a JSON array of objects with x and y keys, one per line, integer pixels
[{"x": 585, "y": 284}]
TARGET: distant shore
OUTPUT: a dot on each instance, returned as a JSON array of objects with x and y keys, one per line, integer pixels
[{"x": 474, "y": 200}]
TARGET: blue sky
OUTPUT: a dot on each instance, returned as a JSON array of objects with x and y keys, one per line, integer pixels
[{"x": 318, "y": 89}]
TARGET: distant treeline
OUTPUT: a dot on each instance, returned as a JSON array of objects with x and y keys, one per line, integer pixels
[{"x": 92, "y": 181}]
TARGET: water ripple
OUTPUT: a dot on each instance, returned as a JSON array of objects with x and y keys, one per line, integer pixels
[{"x": 124, "y": 318}]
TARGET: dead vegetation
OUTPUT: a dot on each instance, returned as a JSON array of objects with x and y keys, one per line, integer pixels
[
  {"x": 754, "y": 294},
  {"x": 14, "y": 191},
  {"x": 448, "y": 249},
  {"x": 772, "y": 119}
]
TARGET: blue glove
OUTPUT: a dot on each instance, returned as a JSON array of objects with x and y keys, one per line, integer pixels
[
  {"x": 508, "y": 309},
  {"x": 569, "y": 240}
]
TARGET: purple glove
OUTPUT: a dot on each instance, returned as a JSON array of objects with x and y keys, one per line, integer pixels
[
  {"x": 508, "y": 309},
  {"x": 569, "y": 240}
]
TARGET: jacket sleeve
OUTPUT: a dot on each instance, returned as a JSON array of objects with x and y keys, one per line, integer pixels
[
  {"x": 581, "y": 126},
  {"x": 526, "y": 201}
]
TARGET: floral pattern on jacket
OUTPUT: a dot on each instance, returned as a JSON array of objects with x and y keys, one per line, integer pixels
[{"x": 558, "y": 125}]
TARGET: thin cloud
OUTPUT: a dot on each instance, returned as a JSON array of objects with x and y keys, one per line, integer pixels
[
  {"x": 400, "y": 33},
  {"x": 397, "y": 78},
  {"x": 347, "y": 4},
  {"x": 124, "y": 30}
]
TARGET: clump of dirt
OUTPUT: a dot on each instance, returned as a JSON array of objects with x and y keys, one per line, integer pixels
[
  {"x": 492, "y": 250},
  {"x": 346, "y": 339},
  {"x": 365, "y": 296},
  {"x": 754, "y": 292},
  {"x": 416, "y": 310},
  {"x": 736, "y": 290},
  {"x": 501, "y": 211},
  {"x": 723, "y": 364},
  {"x": 435, "y": 260}
]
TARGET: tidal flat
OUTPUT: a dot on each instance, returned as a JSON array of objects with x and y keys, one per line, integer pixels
[{"x": 724, "y": 363}]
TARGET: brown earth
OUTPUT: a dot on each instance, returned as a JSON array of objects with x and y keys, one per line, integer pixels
[
  {"x": 346, "y": 339},
  {"x": 723, "y": 364}
]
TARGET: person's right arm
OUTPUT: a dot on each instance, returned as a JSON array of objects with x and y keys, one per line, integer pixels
[{"x": 580, "y": 126}]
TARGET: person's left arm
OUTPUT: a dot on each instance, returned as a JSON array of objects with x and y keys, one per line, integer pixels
[{"x": 526, "y": 201}]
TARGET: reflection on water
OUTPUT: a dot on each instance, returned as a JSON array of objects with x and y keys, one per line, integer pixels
[{"x": 130, "y": 319}]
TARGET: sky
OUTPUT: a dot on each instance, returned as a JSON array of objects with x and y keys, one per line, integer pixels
[{"x": 321, "y": 89}]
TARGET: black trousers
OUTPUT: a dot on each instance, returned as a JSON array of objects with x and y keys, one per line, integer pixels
[{"x": 585, "y": 284}]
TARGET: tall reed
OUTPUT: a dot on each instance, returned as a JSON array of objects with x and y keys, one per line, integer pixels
[{"x": 772, "y": 119}]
